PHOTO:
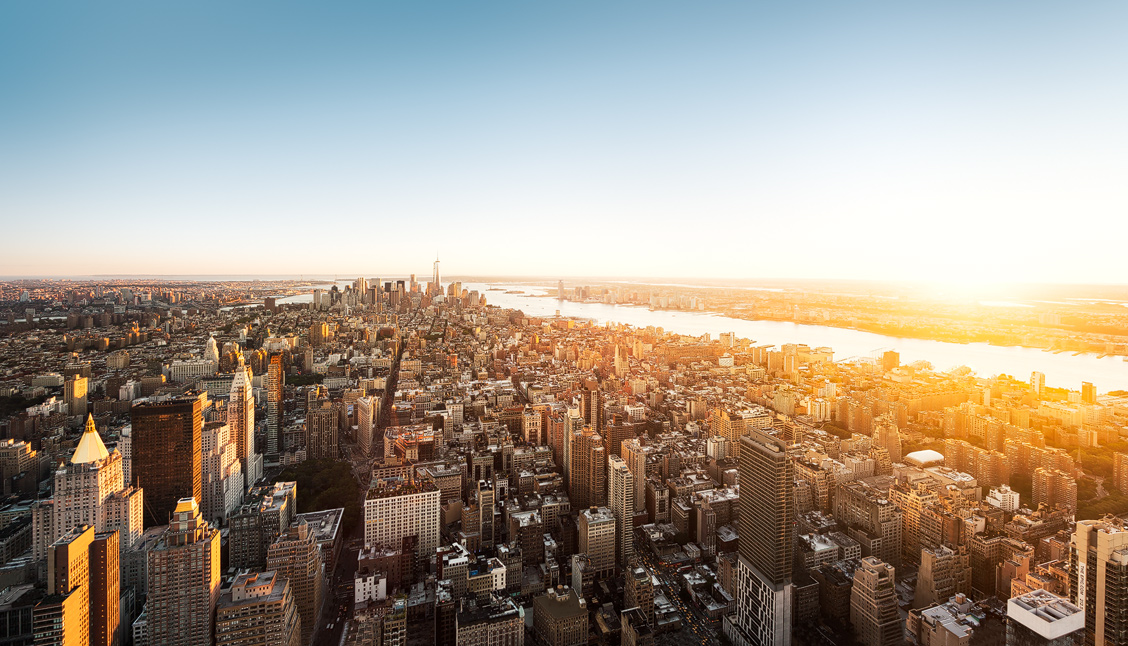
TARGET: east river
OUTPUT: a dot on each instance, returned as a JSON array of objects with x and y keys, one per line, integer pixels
[{"x": 1064, "y": 370}]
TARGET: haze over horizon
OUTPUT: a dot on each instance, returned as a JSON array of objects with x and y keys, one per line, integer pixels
[{"x": 961, "y": 143}]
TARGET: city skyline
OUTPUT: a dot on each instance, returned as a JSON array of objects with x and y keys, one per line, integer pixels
[{"x": 956, "y": 143}]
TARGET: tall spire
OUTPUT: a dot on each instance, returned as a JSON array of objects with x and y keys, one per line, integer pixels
[{"x": 90, "y": 446}]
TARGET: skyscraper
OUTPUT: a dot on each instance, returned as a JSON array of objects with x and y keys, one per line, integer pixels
[
  {"x": 1037, "y": 382},
  {"x": 241, "y": 421},
  {"x": 275, "y": 380},
  {"x": 91, "y": 490},
  {"x": 766, "y": 524},
  {"x": 62, "y": 618},
  {"x": 635, "y": 456},
  {"x": 105, "y": 589},
  {"x": 621, "y": 498},
  {"x": 183, "y": 580},
  {"x": 222, "y": 472},
  {"x": 167, "y": 458}
]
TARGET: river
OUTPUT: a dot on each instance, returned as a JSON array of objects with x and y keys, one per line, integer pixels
[{"x": 1062, "y": 370}]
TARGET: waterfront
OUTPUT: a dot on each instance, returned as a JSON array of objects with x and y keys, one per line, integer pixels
[{"x": 1064, "y": 370}]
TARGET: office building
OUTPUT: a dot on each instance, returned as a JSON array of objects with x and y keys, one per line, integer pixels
[
  {"x": 766, "y": 517},
  {"x": 560, "y": 617},
  {"x": 62, "y": 618},
  {"x": 221, "y": 477},
  {"x": 260, "y": 520},
  {"x": 322, "y": 426},
  {"x": 275, "y": 381},
  {"x": 597, "y": 540},
  {"x": 297, "y": 556},
  {"x": 367, "y": 414},
  {"x": 241, "y": 421},
  {"x": 167, "y": 459},
  {"x": 873, "y": 604},
  {"x": 258, "y": 610},
  {"x": 621, "y": 498},
  {"x": 396, "y": 509},
  {"x": 183, "y": 580},
  {"x": 90, "y": 490}
]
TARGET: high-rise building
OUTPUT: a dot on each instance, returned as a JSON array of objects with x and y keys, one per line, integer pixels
[
  {"x": 221, "y": 477},
  {"x": 297, "y": 556},
  {"x": 74, "y": 395},
  {"x": 367, "y": 414},
  {"x": 1037, "y": 382},
  {"x": 275, "y": 380},
  {"x": 873, "y": 604},
  {"x": 258, "y": 610},
  {"x": 1088, "y": 393},
  {"x": 397, "y": 509},
  {"x": 639, "y": 591},
  {"x": 241, "y": 421},
  {"x": 597, "y": 540},
  {"x": 183, "y": 580},
  {"x": 1054, "y": 487},
  {"x": 91, "y": 490},
  {"x": 944, "y": 572},
  {"x": 322, "y": 425},
  {"x": 1041, "y": 618},
  {"x": 264, "y": 516},
  {"x": 211, "y": 350},
  {"x": 635, "y": 455},
  {"x": 1098, "y": 579},
  {"x": 105, "y": 590},
  {"x": 1120, "y": 472},
  {"x": 587, "y": 485},
  {"x": 167, "y": 457},
  {"x": 591, "y": 407},
  {"x": 62, "y": 618},
  {"x": 766, "y": 524},
  {"x": 886, "y": 436},
  {"x": 621, "y": 498}
]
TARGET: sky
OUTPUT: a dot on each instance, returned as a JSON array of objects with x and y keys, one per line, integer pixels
[{"x": 948, "y": 141}]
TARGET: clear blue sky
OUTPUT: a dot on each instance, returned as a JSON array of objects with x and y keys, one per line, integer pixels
[{"x": 946, "y": 140}]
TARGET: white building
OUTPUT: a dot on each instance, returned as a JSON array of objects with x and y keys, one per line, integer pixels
[
  {"x": 395, "y": 509},
  {"x": 222, "y": 473},
  {"x": 1004, "y": 498}
]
